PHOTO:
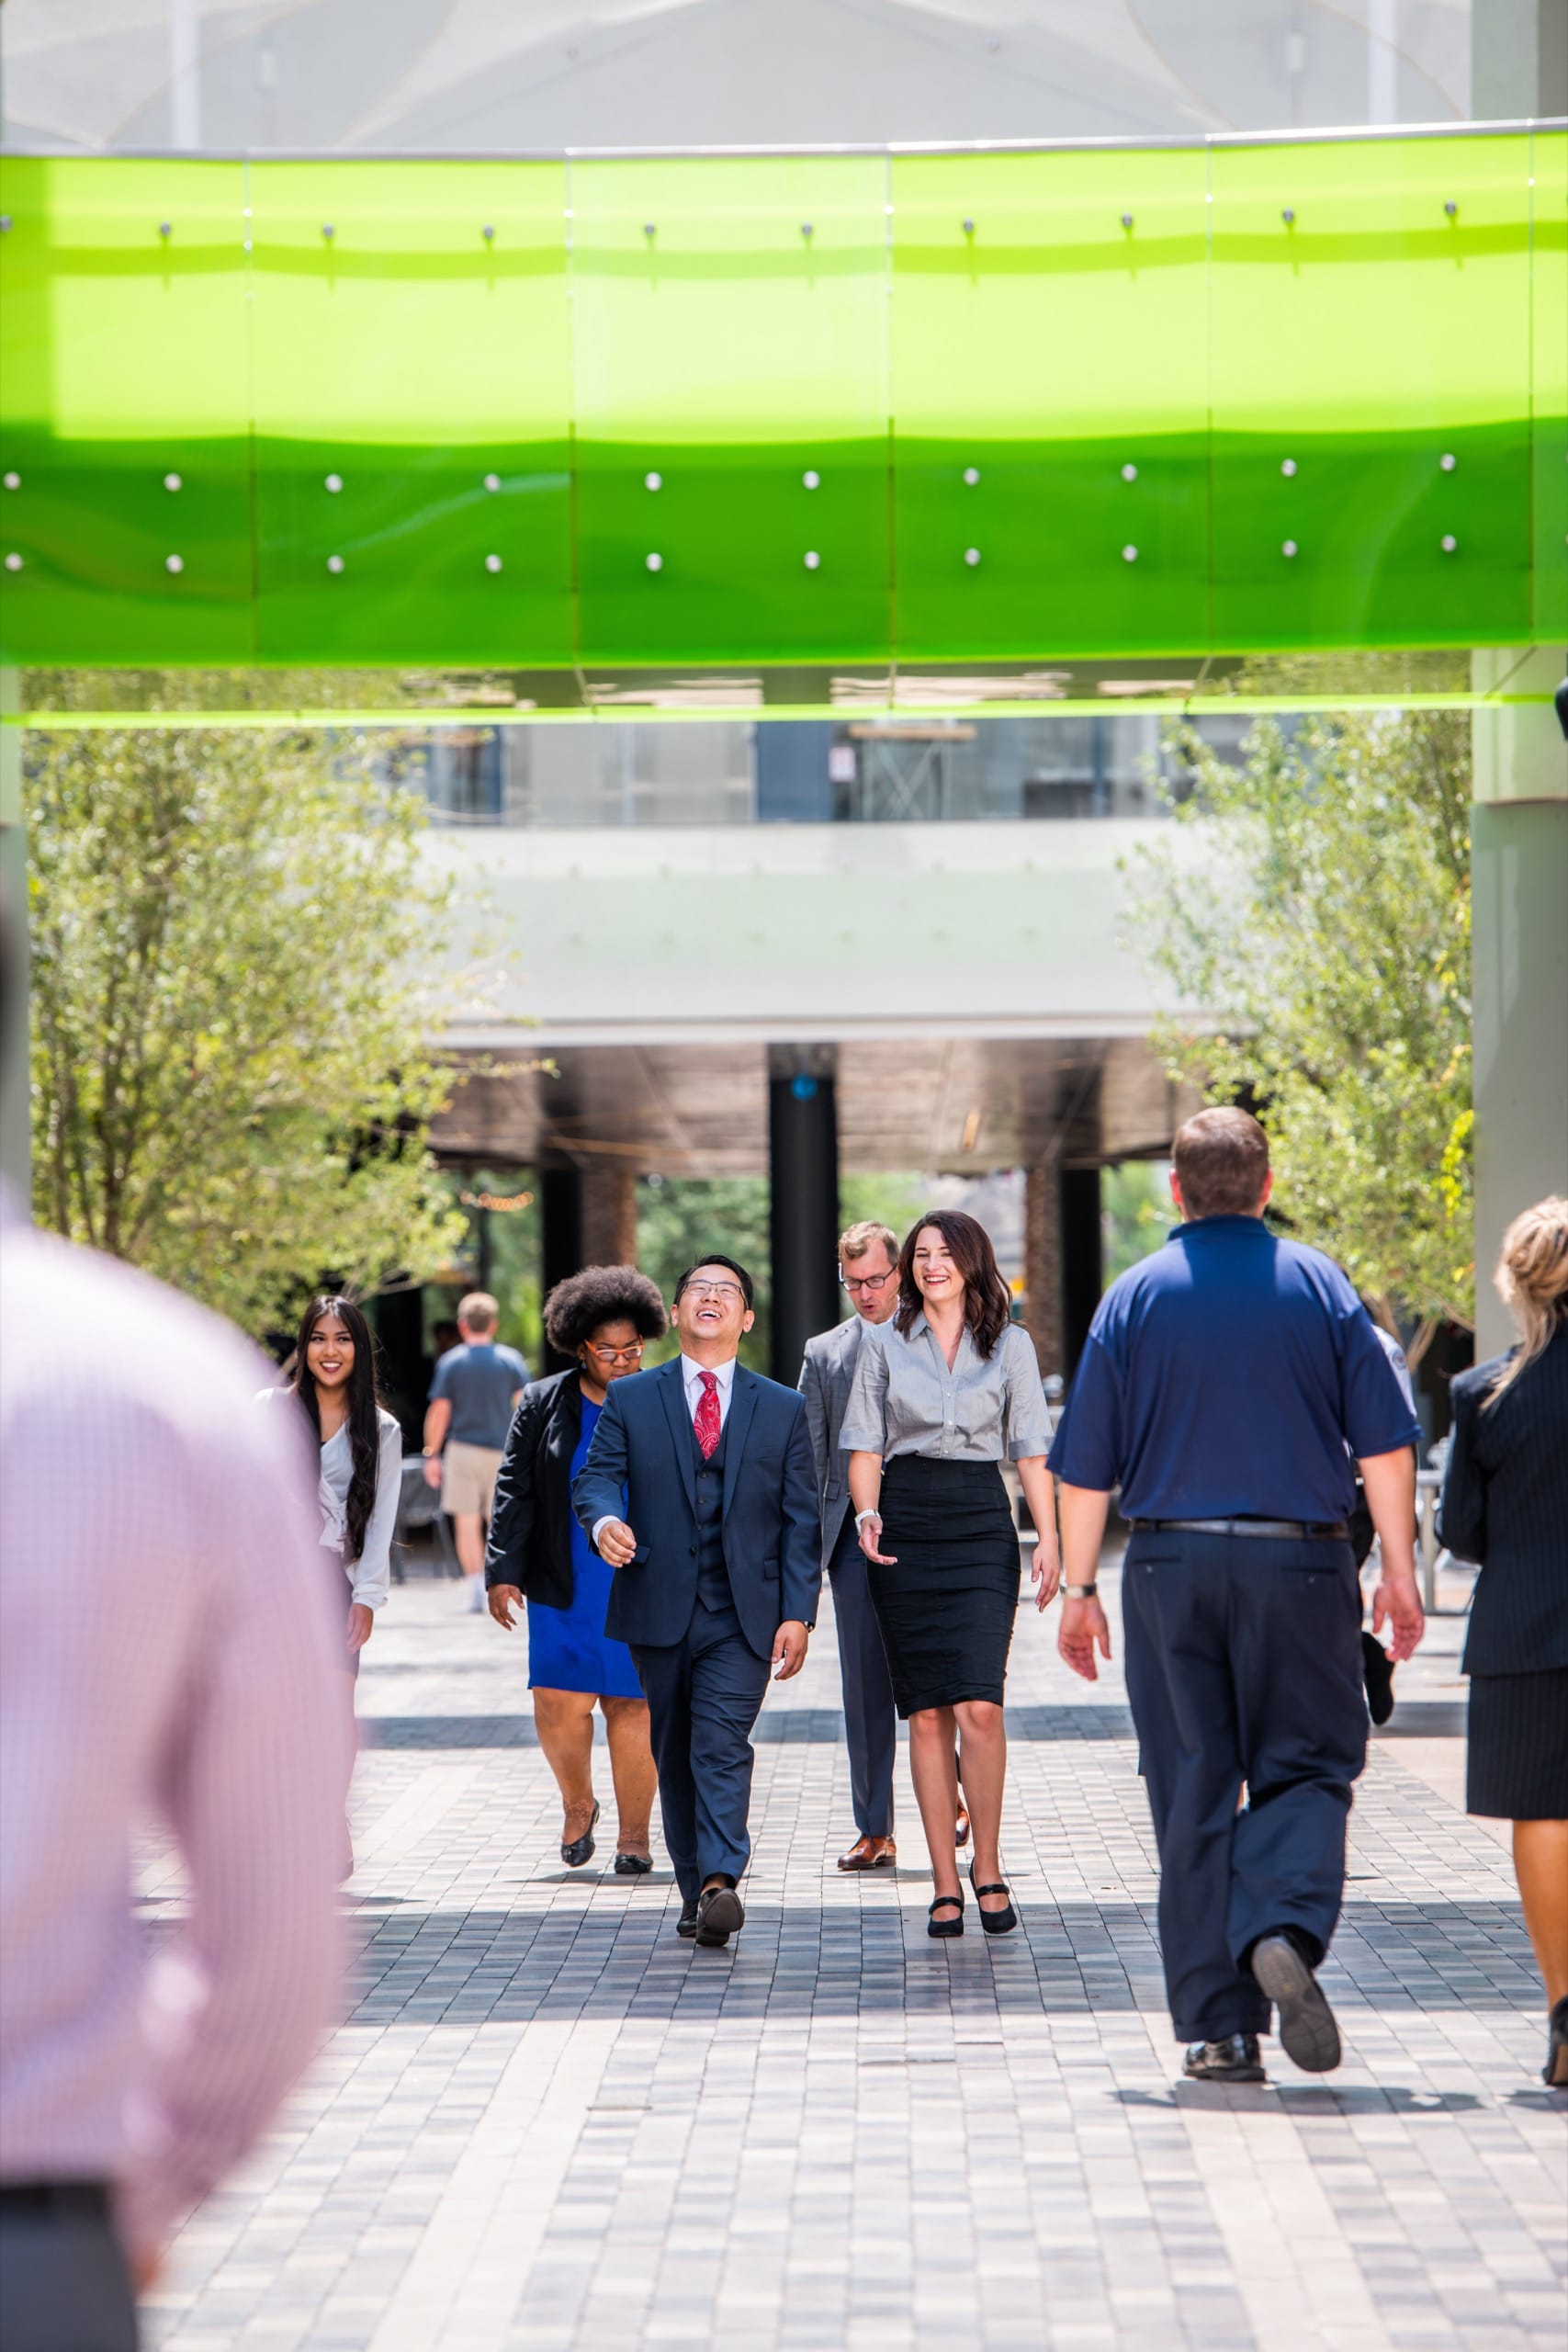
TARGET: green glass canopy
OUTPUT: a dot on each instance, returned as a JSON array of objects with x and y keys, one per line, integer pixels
[{"x": 777, "y": 432}]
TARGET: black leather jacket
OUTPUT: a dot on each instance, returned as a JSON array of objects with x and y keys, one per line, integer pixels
[{"x": 530, "y": 1528}]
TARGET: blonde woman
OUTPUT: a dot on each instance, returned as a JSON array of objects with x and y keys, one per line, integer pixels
[{"x": 1505, "y": 1505}]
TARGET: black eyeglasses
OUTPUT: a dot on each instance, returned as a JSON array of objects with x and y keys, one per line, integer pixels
[{"x": 876, "y": 1283}]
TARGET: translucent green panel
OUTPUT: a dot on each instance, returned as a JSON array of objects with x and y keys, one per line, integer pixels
[
  {"x": 1155, "y": 379},
  {"x": 411, "y": 348},
  {"x": 1047, "y": 341},
  {"x": 122, "y": 298},
  {"x": 1370, "y": 321},
  {"x": 1548, "y": 315},
  {"x": 728, "y": 342}
]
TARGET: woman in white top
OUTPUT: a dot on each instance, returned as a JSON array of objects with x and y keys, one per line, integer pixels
[{"x": 361, "y": 1451}]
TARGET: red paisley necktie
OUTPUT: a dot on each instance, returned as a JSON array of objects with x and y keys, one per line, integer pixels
[{"x": 706, "y": 1420}]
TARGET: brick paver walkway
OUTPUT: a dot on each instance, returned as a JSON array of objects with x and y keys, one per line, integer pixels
[{"x": 548, "y": 2123}]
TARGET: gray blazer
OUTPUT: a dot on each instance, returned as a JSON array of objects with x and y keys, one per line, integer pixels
[{"x": 826, "y": 1378}]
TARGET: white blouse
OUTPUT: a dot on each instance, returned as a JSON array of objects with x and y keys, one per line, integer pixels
[{"x": 370, "y": 1575}]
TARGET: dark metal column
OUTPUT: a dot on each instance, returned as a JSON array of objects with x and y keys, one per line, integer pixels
[
  {"x": 803, "y": 1150},
  {"x": 561, "y": 1238},
  {"x": 1083, "y": 1259}
]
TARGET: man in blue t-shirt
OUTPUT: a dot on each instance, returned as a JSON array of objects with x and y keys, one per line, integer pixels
[
  {"x": 1226, "y": 1385},
  {"x": 472, "y": 1399}
]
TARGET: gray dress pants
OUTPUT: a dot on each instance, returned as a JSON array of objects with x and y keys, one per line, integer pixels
[
  {"x": 871, "y": 1725},
  {"x": 63, "y": 2285}
]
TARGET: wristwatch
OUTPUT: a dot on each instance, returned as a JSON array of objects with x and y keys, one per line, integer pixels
[{"x": 1080, "y": 1592}]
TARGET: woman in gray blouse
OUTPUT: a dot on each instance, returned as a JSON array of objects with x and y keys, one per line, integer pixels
[{"x": 940, "y": 1395}]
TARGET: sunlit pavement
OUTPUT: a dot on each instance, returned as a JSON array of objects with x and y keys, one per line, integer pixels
[{"x": 547, "y": 2122}]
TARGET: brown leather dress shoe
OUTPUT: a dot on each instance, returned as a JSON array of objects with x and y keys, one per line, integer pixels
[{"x": 870, "y": 1854}]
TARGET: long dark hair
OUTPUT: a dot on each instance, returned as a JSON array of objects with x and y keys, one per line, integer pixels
[
  {"x": 364, "y": 1428},
  {"x": 988, "y": 1302}
]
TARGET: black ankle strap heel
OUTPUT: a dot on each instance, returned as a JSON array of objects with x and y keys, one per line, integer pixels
[
  {"x": 935, "y": 1927},
  {"x": 995, "y": 1923}
]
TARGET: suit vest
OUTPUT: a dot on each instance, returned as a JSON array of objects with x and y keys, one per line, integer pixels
[{"x": 713, "y": 1576}]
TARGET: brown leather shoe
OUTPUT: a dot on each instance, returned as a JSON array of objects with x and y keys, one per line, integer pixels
[
  {"x": 961, "y": 1826},
  {"x": 870, "y": 1854}
]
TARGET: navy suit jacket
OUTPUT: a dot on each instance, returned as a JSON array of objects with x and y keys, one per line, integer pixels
[{"x": 772, "y": 1532}]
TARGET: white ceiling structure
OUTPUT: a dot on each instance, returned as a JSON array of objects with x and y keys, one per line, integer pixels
[{"x": 357, "y": 76}]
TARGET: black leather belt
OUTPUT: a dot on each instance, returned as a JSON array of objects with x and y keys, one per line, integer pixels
[
  {"x": 82, "y": 2200},
  {"x": 1293, "y": 1531}
]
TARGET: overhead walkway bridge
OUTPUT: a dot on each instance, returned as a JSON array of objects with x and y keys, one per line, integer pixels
[{"x": 899, "y": 434}]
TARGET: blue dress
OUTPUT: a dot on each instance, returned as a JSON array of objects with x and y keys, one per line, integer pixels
[{"x": 569, "y": 1648}]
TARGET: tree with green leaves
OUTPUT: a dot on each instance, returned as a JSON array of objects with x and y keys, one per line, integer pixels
[
  {"x": 1326, "y": 932},
  {"x": 231, "y": 1083}
]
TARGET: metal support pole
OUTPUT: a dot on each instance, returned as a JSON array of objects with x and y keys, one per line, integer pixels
[
  {"x": 561, "y": 1238},
  {"x": 803, "y": 1144}
]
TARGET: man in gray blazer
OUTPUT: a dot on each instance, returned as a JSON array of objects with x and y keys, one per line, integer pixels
[{"x": 868, "y": 1267}]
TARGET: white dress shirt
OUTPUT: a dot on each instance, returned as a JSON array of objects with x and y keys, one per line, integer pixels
[
  {"x": 168, "y": 1647},
  {"x": 692, "y": 1373},
  {"x": 369, "y": 1577},
  {"x": 692, "y": 1377}
]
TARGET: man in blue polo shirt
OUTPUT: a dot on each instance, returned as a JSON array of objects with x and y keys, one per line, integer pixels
[{"x": 1227, "y": 1384}]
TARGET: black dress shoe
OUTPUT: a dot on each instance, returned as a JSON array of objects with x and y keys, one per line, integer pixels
[
  {"x": 1308, "y": 2033},
  {"x": 581, "y": 1850},
  {"x": 1555, "y": 2070},
  {"x": 1233, "y": 2059},
  {"x": 1377, "y": 1672},
  {"x": 686, "y": 1925},
  {"x": 633, "y": 1865},
  {"x": 719, "y": 1914}
]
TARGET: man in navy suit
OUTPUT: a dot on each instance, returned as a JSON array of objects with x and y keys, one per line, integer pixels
[{"x": 718, "y": 1571}]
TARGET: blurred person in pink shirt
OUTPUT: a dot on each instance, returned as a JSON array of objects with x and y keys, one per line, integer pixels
[{"x": 168, "y": 1653}]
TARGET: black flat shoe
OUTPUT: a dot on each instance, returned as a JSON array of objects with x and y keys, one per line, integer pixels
[
  {"x": 995, "y": 1923},
  {"x": 1233, "y": 2059},
  {"x": 581, "y": 1850},
  {"x": 935, "y": 1927},
  {"x": 1554, "y": 2074},
  {"x": 720, "y": 1915},
  {"x": 1377, "y": 1672},
  {"x": 1308, "y": 2034},
  {"x": 633, "y": 1865},
  {"x": 686, "y": 1925}
]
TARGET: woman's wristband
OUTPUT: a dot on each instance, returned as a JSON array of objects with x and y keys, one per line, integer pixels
[
  {"x": 1080, "y": 1592},
  {"x": 862, "y": 1516}
]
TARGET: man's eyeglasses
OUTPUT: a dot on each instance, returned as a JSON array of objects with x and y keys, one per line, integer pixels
[
  {"x": 613, "y": 1355},
  {"x": 874, "y": 1284},
  {"x": 714, "y": 1290}
]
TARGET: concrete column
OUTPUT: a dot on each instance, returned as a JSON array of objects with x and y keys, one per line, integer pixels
[
  {"x": 609, "y": 1215},
  {"x": 1083, "y": 1259},
  {"x": 1043, "y": 1265},
  {"x": 1518, "y": 59},
  {"x": 803, "y": 1155},
  {"x": 1519, "y": 961},
  {"x": 15, "y": 1152},
  {"x": 561, "y": 1238}
]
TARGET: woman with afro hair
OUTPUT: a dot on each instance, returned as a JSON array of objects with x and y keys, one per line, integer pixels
[{"x": 539, "y": 1554}]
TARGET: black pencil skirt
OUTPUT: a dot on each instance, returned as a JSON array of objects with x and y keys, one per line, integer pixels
[
  {"x": 946, "y": 1607},
  {"x": 1516, "y": 1767}
]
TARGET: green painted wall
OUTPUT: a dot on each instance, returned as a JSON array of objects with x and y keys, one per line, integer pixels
[{"x": 1073, "y": 402}]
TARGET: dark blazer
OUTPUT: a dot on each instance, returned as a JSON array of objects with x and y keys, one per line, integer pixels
[
  {"x": 1505, "y": 1505},
  {"x": 826, "y": 1378},
  {"x": 530, "y": 1526},
  {"x": 644, "y": 1442}
]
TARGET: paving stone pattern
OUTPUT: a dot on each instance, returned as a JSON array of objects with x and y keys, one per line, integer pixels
[{"x": 548, "y": 2123}]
